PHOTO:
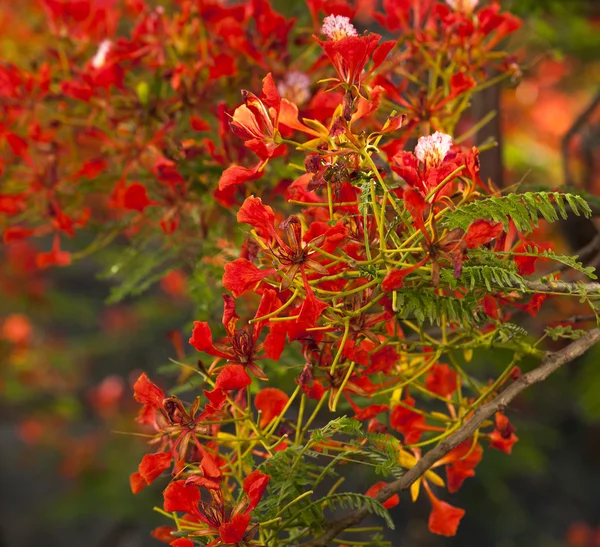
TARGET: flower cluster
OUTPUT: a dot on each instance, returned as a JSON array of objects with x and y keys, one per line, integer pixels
[
  {"x": 371, "y": 272},
  {"x": 347, "y": 283}
]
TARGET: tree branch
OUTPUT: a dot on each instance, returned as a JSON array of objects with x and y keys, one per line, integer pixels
[{"x": 551, "y": 363}]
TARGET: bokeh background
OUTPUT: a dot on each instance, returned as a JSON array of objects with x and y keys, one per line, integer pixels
[{"x": 68, "y": 359}]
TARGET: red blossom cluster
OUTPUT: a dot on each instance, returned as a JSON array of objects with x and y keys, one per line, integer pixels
[
  {"x": 369, "y": 273},
  {"x": 329, "y": 278}
]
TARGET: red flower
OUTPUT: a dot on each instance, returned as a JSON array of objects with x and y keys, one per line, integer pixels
[
  {"x": 442, "y": 380},
  {"x": 461, "y": 463},
  {"x": 56, "y": 257},
  {"x": 411, "y": 424},
  {"x": 176, "y": 429},
  {"x": 444, "y": 518},
  {"x": 503, "y": 437},
  {"x": 241, "y": 345},
  {"x": 258, "y": 123},
  {"x": 293, "y": 256},
  {"x": 350, "y": 53},
  {"x": 217, "y": 516}
]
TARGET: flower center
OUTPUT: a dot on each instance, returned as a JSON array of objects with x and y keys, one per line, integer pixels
[
  {"x": 432, "y": 150},
  {"x": 336, "y": 27}
]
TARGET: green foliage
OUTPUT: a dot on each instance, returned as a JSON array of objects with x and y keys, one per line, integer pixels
[
  {"x": 509, "y": 332},
  {"x": 341, "y": 425},
  {"x": 564, "y": 332},
  {"x": 382, "y": 450},
  {"x": 523, "y": 209},
  {"x": 492, "y": 278},
  {"x": 137, "y": 268},
  {"x": 425, "y": 305},
  {"x": 292, "y": 474},
  {"x": 570, "y": 261}
]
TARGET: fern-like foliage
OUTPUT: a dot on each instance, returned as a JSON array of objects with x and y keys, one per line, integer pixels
[
  {"x": 290, "y": 472},
  {"x": 382, "y": 450},
  {"x": 425, "y": 305},
  {"x": 564, "y": 332},
  {"x": 509, "y": 332},
  {"x": 524, "y": 209},
  {"x": 138, "y": 268},
  {"x": 492, "y": 278},
  {"x": 570, "y": 261},
  {"x": 341, "y": 425},
  {"x": 379, "y": 448}
]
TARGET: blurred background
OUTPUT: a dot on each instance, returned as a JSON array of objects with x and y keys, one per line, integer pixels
[{"x": 68, "y": 360}]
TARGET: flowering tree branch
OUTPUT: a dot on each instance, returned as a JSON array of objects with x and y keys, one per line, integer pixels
[{"x": 551, "y": 363}]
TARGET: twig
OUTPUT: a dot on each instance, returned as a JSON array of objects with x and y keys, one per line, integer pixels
[
  {"x": 580, "y": 318},
  {"x": 562, "y": 287},
  {"x": 551, "y": 363}
]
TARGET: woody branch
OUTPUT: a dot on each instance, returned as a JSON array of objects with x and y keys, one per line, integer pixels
[{"x": 551, "y": 363}]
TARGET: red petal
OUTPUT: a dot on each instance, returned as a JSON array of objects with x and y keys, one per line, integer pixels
[
  {"x": 147, "y": 393},
  {"x": 153, "y": 465},
  {"x": 271, "y": 402},
  {"x": 234, "y": 531},
  {"x": 311, "y": 309},
  {"x": 182, "y": 542},
  {"x": 261, "y": 216},
  {"x": 202, "y": 340},
  {"x": 181, "y": 497},
  {"x": 255, "y": 485},
  {"x": 270, "y": 94},
  {"x": 199, "y": 481},
  {"x": 268, "y": 304},
  {"x": 91, "y": 169},
  {"x": 481, "y": 232},
  {"x": 163, "y": 533},
  {"x": 241, "y": 275},
  {"x": 135, "y": 197},
  {"x": 232, "y": 377},
  {"x": 210, "y": 467},
  {"x": 459, "y": 83},
  {"x": 382, "y": 52},
  {"x": 230, "y": 318},
  {"x": 444, "y": 518},
  {"x": 442, "y": 380},
  {"x": 137, "y": 482},
  {"x": 395, "y": 279},
  {"x": 416, "y": 206},
  {"x": 236, "y": 175}
]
